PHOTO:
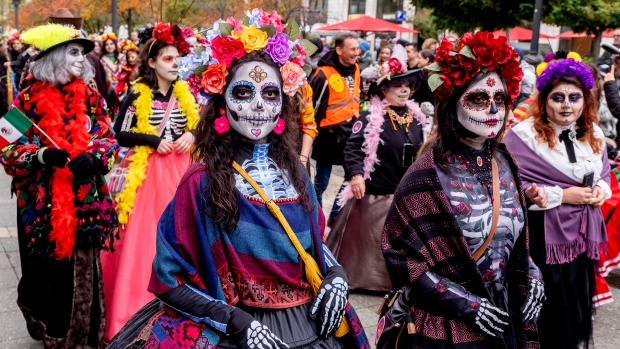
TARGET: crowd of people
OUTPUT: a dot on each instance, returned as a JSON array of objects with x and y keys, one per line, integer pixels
[{"x": 165, "y": 198}]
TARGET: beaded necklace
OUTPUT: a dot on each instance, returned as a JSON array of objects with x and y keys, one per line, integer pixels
[
  {"x": 401, "y": 120},
  {"x": 477, "y": 163}
]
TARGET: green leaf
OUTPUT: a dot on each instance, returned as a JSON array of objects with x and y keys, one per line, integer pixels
[
  {"x": 295, "y": 52},
  {"x": 226, "y": 29},
  {"x": 246, "y": 21},
  {"x": 484, "y": 70},
  {"x": 433, "y": 67},
  {"x": 434, "y": 81},
  {"x": 307, "y": 69},
  {"x": 198, "y": 50},
  {"x": 466, "y": 51},
  {"x": 292, "y": 30},
  {"x": 308, "y": 46},
  {"x": 198, "y": 71},
  {"x": 269, "y": 29}
]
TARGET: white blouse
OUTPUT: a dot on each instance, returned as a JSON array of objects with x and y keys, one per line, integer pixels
[{"x": 587, "y": 160}]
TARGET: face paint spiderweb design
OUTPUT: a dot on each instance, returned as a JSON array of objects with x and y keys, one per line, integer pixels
[{"x": 258, "y": 74}]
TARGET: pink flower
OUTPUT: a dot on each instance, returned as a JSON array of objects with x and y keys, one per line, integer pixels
[
  {"x": 279, "y": 126},
  {"x": 293, "y": 77},
  {"x": 187, "y": 32},
  {"x": 237, "y": 24},
  {"x": 271, "y": 19},
  {"x": 195, "y": 85},
  {"x": 221, "y": 124},
  {"x": 302, "y": 51}
]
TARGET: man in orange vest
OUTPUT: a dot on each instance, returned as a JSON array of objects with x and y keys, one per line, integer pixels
[{"x": 336, "y": 84}]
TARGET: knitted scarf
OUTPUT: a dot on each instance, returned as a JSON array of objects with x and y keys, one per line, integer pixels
[
  {"x": 64, "y": 119},
  {"x": 139, "y": 160},
  {"x": 372, "y": 139}
]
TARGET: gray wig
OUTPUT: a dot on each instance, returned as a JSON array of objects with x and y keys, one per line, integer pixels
[{"x": 51, "y": 68}]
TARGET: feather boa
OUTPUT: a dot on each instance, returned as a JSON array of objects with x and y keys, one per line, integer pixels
[
  {"x": 136, "y": 172},
  {"x": 58, "y": 108},
  {"x": 372, "y": 139}
]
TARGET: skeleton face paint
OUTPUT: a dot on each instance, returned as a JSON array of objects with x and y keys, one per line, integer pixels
[
  {"x": 564, "y": 104},
  {"x": 74, "y": 62},
  {"x": 397, "y": 95},
  {"x": 482, "y": 108},
  {"x": 254, "y": 100}
]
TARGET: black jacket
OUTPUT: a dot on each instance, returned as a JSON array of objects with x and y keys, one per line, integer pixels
[{"x": 612, "y": 95}]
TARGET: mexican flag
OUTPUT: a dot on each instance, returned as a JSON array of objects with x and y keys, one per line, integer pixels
[{"x": 12, "y": 126}]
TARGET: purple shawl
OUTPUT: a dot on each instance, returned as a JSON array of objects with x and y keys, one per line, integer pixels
[{"x": 570, "y": 230}]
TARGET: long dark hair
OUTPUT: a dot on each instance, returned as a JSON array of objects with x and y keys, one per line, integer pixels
[
  {"x": 445, "y": 138},
  {"x": 150, "y": 50},
  {"x": 104, "y": 52},
  {"x": 217, "y": 151}
]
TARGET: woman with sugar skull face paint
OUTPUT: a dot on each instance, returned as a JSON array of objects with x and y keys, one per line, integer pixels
[
  {"x": 65, "y": 212},
  {"x": 157, "y": 122},
  {"x": 225, "y": 267},
  {"x": 468, "y": 268},
  {"x": 562, "y": 148},
  {"x": 383, "y": 144}
]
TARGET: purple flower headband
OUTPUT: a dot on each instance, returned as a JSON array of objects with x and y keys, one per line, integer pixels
[{"x": 565, "y": 68}]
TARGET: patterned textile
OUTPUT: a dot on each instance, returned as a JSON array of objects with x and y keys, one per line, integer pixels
[
  {"x": 94, "y": 209},
  {"x": 172, "y": 331},
  {"x": 306, "y": 118},
  {"x": 422, "y": 234},
  {"x": 256, "y": 264},
  {"x": 474, "y": 213}
]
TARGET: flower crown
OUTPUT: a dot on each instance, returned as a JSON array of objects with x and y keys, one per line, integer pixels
[
  {"x": 130, "y": 46},
  {"x": 110, "y": 36},
  {"x": 390, "y": 68},
  {"x": 565, "y": 68},
  {"x": 479, "y": 52},
  {"x": 174, "y": 35},
  {"x": 207, "y": 67}
]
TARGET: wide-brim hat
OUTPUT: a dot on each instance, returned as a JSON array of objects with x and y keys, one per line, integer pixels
[
  {"x": 409, "y": 77},
  {"x": 64, "y": 16},
  {"x": 49, "y": 36}
]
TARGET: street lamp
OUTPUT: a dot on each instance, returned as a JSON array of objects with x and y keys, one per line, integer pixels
[
  {"x": 16, "y": 4},
  {"x": 534, "y": 57}
]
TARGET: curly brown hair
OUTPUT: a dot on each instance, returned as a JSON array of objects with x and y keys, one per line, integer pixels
[
  {"x": 545, "y": 133},
  {"x": 218, "y": 150}
]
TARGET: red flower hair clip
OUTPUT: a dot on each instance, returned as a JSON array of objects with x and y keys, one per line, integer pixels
[{"x": 171, "y": 34}]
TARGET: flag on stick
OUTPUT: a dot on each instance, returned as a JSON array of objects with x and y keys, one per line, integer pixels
[{"x": 12, "y": 126}]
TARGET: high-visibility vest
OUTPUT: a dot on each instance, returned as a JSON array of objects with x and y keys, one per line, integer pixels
[{"x": 342, "y": 104}]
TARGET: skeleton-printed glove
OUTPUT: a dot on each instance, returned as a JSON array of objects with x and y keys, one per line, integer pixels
[
  {"x": 491, "y": 319},
  {"x": 331, "y": 301},
  {"x": 251, "y": 333},
  {"x": 534, "y": 301}
]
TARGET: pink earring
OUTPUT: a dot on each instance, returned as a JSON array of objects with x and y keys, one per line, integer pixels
[
  {"x": 279, "y": 126},
  {"x": 221, "y": 124}
]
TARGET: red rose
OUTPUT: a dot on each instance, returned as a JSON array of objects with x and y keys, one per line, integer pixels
[
  {"x": 456, "y": 185},
  {"x": 446, "y": 67},
  {"x": 445, "y": 89},
  {"x": 166, "y": 37},
  {"x": 502, "y": 52},
  {"x": 504, "y": 183},
  {"x": 227, "y": 48},
  {"x": 465, "y": 40},
  {"x": 463, "y": 209},
  {"x": 471, "y": 65},
  {"x": 183, "y": 47},
  {"x": 482, "y": 45},
  {"x": 512, "y": 73},
  {"x": 468, "y": 186},
  {"x": 176, "y": 32},
  {"x": 458, "y": 75},
  {"x": 395, "y": 65},
  {"x": 443, "y": 51}
]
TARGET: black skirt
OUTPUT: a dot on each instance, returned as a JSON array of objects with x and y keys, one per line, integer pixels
[{"x": 566, "y": 317}]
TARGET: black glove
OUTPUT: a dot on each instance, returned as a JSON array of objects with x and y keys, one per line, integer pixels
[
  {"x": 491, "y": 319},
  {"x": 331, "y": 301},
  {"x": 534, "y": 301},
  {"x": 251, "y": 333},
  {"x": 83, "y": 164},
  {"x": 55, "y": 157}
]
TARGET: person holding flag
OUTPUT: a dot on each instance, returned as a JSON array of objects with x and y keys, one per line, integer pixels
[{"x": 57, "y": 143}]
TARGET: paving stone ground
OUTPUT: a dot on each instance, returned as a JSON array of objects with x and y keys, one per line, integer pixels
[{"x": 13, "y": 333}]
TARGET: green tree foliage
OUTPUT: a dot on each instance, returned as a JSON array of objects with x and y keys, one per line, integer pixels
[
  {"x": 425, "y": 23},
  {"x": 466, "y": 15}
]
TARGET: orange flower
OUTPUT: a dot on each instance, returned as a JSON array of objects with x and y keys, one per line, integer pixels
[{"x": 214, "y": 78}]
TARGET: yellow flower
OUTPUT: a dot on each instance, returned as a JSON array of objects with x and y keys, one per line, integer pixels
[{"x": 252, "y": 38}]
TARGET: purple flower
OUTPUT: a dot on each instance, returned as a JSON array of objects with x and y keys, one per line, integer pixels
[
  {"x": 279, "y": 48},
  {"x": 565, "y": 68}
]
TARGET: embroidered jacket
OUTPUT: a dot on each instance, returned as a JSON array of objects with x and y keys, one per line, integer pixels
[
  {"x": 255, "y": 265},
  {"x": 31, "y": 183},
  {"x": 421, "y": 234}
]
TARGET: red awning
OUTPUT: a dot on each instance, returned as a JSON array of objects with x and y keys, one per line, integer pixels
[
  {"x": 520, "y": 34},
  {"x": 368, "y": 24},
  {"x": 609, "y": 33}
]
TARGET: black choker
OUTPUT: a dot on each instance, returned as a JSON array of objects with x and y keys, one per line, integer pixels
[{"x": 478, "y": 163}]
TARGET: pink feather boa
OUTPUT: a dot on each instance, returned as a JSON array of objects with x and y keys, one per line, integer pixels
[{"x": 372, "y": 139}]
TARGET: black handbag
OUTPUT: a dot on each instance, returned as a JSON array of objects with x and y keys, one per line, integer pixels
[{"x": 395, "y": 320}]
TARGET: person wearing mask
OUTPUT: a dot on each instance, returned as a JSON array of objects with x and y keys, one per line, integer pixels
[
  {"x": 336, "y": 87},
  {"x": 365, "y": 58}
]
